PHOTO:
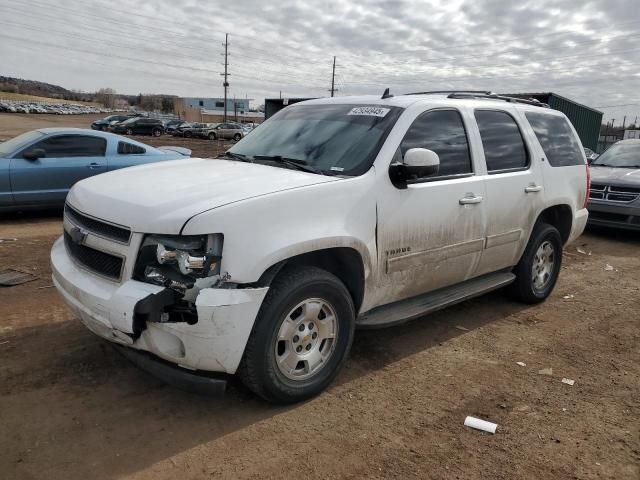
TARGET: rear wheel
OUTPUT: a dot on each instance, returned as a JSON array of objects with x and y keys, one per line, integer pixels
[
  {"x": 301, "y": 338},
  {"x": 156, "y": 132},
  {"x": 212, "y": 136},
  {"x": 237, "y": 137},
  {"x": 538, "y": 269},
  {"x": 187, "y": 134},
  {"x": 129, "y": 131}
]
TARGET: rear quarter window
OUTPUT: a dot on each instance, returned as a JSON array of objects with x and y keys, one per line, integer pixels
[{"x": 557, "y": 139}]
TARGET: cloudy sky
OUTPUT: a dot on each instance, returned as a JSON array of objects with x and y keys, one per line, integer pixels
[{"x": 587, "y": 50}]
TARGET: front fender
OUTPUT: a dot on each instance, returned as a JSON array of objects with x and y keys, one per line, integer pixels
[{"x": 262, "y": 231}]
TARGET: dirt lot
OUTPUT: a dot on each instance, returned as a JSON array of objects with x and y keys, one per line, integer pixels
[{"x": 71, "y": 407}]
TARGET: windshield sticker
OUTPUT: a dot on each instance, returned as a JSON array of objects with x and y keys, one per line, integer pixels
[
  {"x": 369, "y": 111},
  {"x": 337, "y": 169}
]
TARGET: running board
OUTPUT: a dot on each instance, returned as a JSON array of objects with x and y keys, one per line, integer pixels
[{"x": 405, "y": 310}]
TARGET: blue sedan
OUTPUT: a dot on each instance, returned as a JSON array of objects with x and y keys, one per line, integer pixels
[{"x": 38, "y": 168}]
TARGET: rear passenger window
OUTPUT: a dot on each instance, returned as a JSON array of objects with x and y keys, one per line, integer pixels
[
  {"x": 125, "y": 148},
  {"x": 443, "y": 132},
  {"x": 556, "y": 138},
  {"x": 502, "y": 141}
]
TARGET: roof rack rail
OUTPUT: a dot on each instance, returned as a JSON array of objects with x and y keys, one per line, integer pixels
[
  {"x": 495, "y": 96},
  {"x": 436, "y": 92}
]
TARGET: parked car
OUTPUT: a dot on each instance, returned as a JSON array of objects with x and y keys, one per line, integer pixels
[
  {"x": 38, "y": 168},
  {"x": 172, "y": 125},
  {"x": 226, "y": 131},
  {"x": 590, "y": 154},
  {"x": 104, "y": 123},
  {"x": 334, "y": 214},
  {"x": 194, "y": 130},
  {"x": 139, "y": 126},
  {"x": 614, "y": 200}
]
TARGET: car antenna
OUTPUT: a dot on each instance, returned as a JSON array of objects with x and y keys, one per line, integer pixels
[{"x": 386, "y": 94}]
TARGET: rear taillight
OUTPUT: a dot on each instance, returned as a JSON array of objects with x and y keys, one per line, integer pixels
[{"x": 586, "y": 197}]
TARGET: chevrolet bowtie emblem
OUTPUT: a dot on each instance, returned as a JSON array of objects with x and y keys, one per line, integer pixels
[{"x": 78, "y": 235}]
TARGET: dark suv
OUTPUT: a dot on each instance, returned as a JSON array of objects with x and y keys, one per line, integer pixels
[
  {"x": 104, "y": 123},
  {"x": 140, "y": 126}
]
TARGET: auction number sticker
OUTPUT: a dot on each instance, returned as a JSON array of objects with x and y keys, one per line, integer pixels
[{"x": 369, "y": 111}]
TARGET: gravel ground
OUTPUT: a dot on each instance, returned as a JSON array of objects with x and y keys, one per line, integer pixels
[{"x": 71, "y": 407}]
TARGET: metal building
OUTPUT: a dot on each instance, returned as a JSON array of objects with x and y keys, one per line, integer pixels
[{"x": 585, "y": 120}]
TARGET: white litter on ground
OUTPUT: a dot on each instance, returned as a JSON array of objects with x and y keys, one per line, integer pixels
[
  {"x": 568, "y": 297},
  {"x": 546, "y": 371},
  {"x": 608, "y": 268},
  {"x": 568, "y": 381},
  {"x": 522, "y": 364},
  {"x": 479, "y": 424}
]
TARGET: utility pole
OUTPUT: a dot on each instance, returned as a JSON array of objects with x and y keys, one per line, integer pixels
[
  {"x": 333, "y": 77},
  {"x": 225, "y": 84},
  {"x": 624, "y": 122}
]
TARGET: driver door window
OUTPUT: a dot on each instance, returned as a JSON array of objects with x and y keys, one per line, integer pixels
[{"x": 443, "y": 132}]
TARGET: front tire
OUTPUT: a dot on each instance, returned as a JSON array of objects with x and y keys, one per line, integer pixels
[
  {"x": 212, "y": 136},
  {"x": 539, "y": 267},
  {"x": 237, "y": 137},
  {"x": 301, "y": 337},
  {"x": 129, "y": 131}
]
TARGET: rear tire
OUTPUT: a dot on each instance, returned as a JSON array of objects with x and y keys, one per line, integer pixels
[
  {"x": 237, "y": 137},
  {"x": 156, "y": 132},
  {"x": 539, "y": 267},
  {"x": 301, "y": 337},
  {"x": 129, "y": 131},
  {"x": 212, "y": 136},
  {"x": 187, "y": 134}
]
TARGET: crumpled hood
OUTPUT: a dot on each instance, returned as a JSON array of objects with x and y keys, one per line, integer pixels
[
  {"x": 161, "y": 197},
  {"x": 615, "y": 176}
]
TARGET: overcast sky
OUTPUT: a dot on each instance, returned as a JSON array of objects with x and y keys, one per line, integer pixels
[{"x": 586, "y": 50}]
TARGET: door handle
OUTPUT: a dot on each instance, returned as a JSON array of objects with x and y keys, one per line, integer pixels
[
  {"x": 533, "y": 189},
  {"x": 94, "y": 166},
  {"x": 471, "y": 200}
]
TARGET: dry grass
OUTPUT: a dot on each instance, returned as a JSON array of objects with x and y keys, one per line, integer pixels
[{"x": 34, "y": 98}]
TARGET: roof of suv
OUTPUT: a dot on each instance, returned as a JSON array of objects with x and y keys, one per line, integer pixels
[{"x": 437, "y": 99}]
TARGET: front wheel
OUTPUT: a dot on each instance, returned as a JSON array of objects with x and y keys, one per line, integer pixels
[
  {"x": 237, "y": 137},
  {"x": 212, "y": 136},
  {"x": 156, "y": 132},
  {"x": 539, "y": 267},
  {"x": 301, "y": 338},
  {"x": 129, "y": 131}
]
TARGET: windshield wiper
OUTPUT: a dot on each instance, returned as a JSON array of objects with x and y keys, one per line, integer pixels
[
  {"x": 235, "y": 156},
  {"x": 292, "y": 162}
]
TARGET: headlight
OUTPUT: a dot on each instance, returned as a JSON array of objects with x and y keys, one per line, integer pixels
[{"x": 178, "y": 261}]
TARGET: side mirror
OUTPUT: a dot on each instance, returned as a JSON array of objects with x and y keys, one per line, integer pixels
[
  {"x": 34, "y": 154},
  {"x": 421, "y": 162}
]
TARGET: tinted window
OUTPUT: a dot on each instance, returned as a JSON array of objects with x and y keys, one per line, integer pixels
[
  {"x": 125, "y": 148},
  {"x": 557, "y": 139},
  {"x": 443, "y": 132},
  {"x": 219, "y": 104},
  {"x": 72, "y": 146},
  {"x": 503, "y": 146}
]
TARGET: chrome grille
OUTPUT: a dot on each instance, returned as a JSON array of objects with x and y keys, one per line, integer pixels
[
  {"x": 98, "y": 227},
  {"x": 613, "y": 193}
]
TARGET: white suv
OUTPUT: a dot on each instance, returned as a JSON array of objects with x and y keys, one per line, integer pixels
[{"x": 334, "y": 214}]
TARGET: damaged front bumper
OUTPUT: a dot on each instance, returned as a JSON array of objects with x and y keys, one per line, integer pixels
[{"x": 215, "y": 343}]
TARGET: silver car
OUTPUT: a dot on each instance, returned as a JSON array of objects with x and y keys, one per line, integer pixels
[{"x": 614, "y": 200}]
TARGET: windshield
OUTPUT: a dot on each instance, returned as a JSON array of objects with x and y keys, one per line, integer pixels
[
  {"x": 10, "y": 146},
  {"x": 131, "y": 120},
  {"x": 342, "y": 139},
  {"x": 621, "y": 155}
]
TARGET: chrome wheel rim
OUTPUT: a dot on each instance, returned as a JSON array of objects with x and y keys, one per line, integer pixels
[
  {"x": 306, "y": 339},
  {"x": 543, "y": 265}
]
